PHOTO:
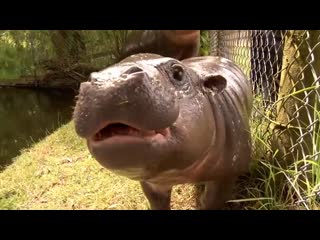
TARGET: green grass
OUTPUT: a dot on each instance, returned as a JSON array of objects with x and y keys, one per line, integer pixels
[
  {"x": 59, "y": 173},
  {"x": 270, "y": 185}
]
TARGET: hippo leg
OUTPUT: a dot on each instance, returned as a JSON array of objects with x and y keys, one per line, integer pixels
[
  {"x": 216, "y": 193},
  {"x": 159, "y": 196}
]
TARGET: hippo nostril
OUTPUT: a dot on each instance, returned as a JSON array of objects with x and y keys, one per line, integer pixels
[{"x": 133, "y": 69}]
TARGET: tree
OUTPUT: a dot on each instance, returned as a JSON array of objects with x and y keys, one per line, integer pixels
[
  {"x": 295, "y": 122},
  {"x": 69, "y": 46}
]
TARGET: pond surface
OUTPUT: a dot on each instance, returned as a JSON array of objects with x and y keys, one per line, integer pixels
[{"x": 29, "y": 115}]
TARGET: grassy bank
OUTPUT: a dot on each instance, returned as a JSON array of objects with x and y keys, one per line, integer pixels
[{"x": 59, "y": 173}]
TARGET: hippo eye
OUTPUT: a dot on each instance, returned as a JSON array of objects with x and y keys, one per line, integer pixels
[{"x": 178, "y": 72}]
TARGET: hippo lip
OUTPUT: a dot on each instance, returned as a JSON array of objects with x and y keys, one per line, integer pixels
[{"x": 125, "y": 131}]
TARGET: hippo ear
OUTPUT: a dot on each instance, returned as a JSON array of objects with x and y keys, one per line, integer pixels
[{"x": 214, "y": 83}]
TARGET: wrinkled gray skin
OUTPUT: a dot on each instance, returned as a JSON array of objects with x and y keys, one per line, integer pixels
[{"x": 191, "y": 119}]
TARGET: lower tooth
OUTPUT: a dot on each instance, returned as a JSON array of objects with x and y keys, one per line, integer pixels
[
  {"x": 99, "y": 136},
  {"x": 133, "y": 133},
  {"x": 149, "y": 133},
  {"x": 136, "y": 134}
]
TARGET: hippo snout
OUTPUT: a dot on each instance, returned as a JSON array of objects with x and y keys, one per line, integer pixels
[
  {"x": 129, "y": 94},
  {"x": 125, "y": 73}
]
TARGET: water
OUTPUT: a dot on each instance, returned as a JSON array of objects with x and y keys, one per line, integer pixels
[{"x": 28, "y": 115}]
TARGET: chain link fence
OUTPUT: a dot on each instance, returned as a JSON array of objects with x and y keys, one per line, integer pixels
[{"x": 284, "y": 67}]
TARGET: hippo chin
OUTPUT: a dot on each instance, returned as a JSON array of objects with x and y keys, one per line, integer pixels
[{"x": 164, "y": 122}]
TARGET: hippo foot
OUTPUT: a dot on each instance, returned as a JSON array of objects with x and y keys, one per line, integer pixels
[
  {"x": 158, "y": 195},
  {"x": 215, "y": 194}
]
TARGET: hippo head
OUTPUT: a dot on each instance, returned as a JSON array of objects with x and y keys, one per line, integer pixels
[{"x": 146, "y": 115}]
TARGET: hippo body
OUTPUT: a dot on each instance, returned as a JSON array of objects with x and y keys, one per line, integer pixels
[
  {"x": 178, "y": 44},
  {"x": 165, "y": 122}
]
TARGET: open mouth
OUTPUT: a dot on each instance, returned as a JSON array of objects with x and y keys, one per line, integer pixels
[{"x": 123, "y": 130}]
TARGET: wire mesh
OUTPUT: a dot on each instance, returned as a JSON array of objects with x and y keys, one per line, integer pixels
[{"x": 283, "y": 66}]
